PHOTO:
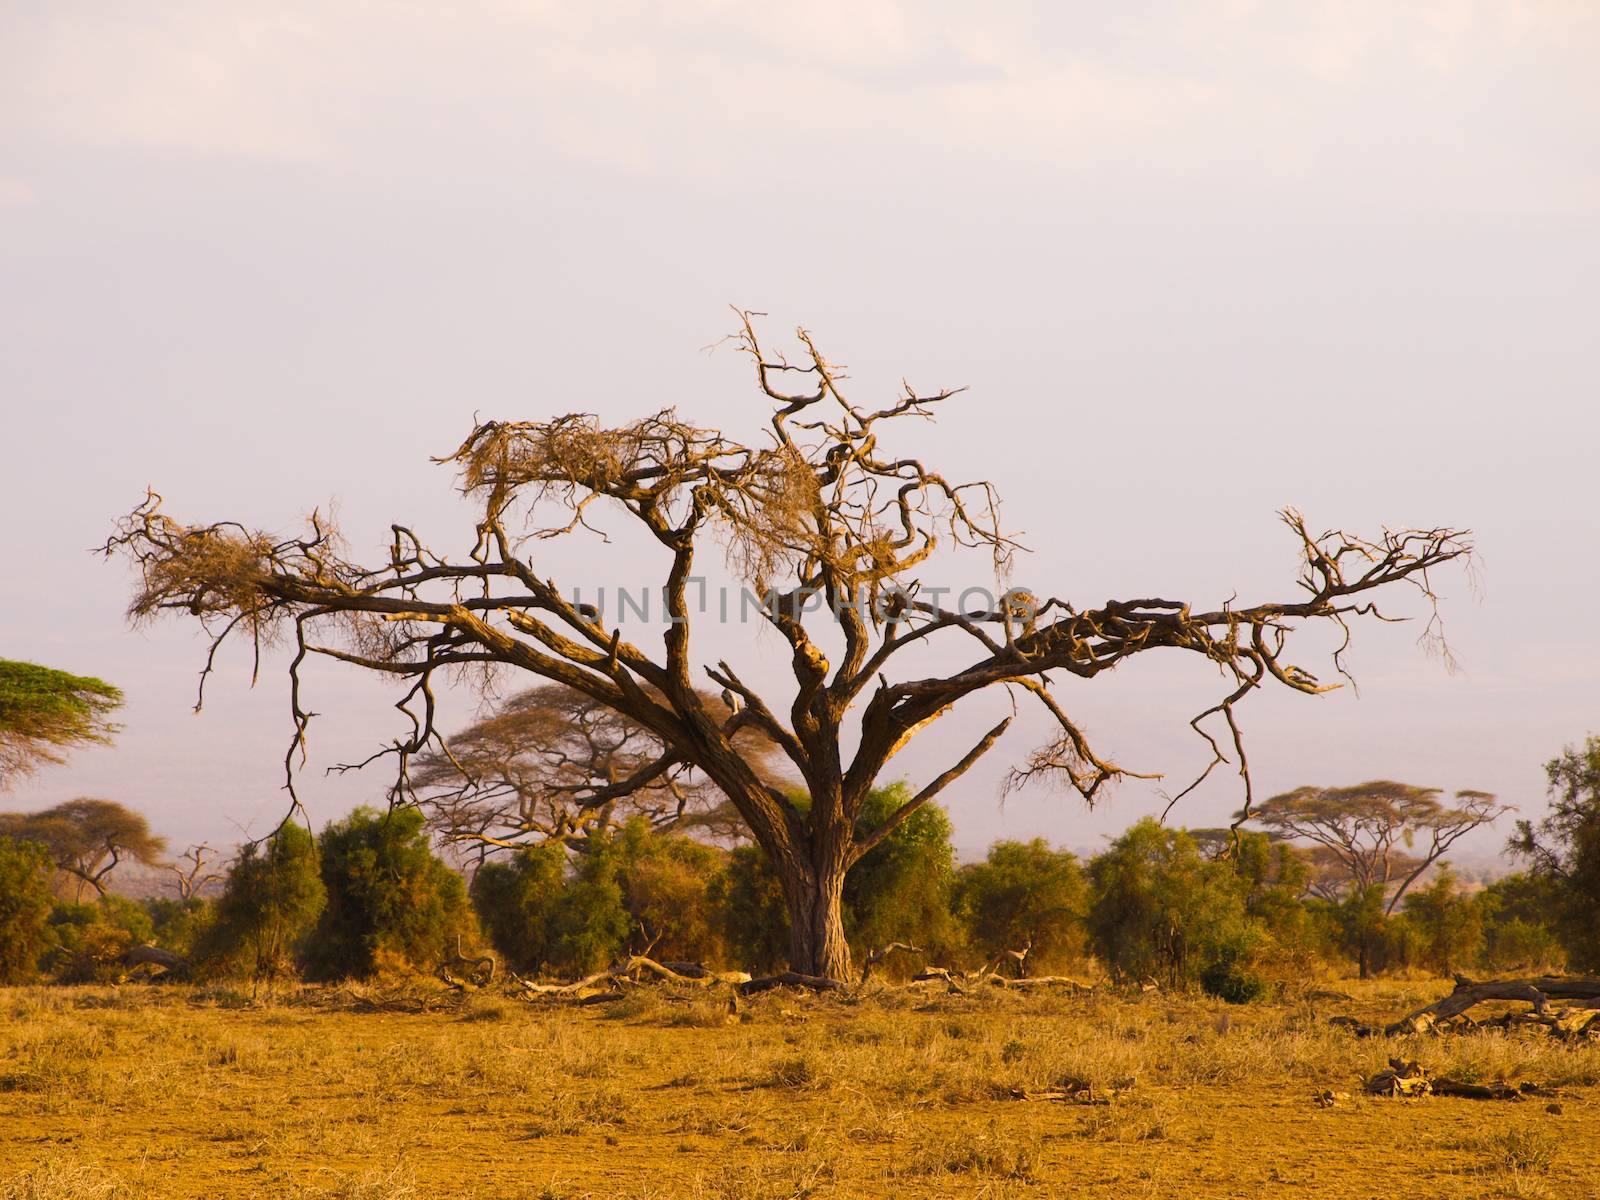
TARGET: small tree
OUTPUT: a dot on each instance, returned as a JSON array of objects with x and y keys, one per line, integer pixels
[
  {"x": 666, "y": 886},
  {"x": 196, "y": 870},
  {"x": 748, "y": 904},
  {"x": 25, "y": 903},
  {"x": 1276, "y": 877},
  {"x": 270, "y": 901},
  {"x": 516, "y": 898},
  {"x": 903, "y": 889},
  {"x": 1449, "y": 924},
  {"x": 1565, "y": 847},
  {"x": 88, "y": 839},
  {"x": 1363, "y": 919},
  {"x": 44, "y": 712},
  {"x": 1025, "y": 896},
  {"x": 389, "y": 897}
]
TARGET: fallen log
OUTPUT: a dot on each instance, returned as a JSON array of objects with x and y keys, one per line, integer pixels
[
  {"x": 816, "y": 983},
  {"x": 696, "y": 976},
  {"x": 1406, "y": 1079},
  {"x": 589, "y": 985},
  {"x": 154, "y": 956},
  {"x": 1039, "y": 981},
  {"x": 874, "y": 957},
  {"x": 1469, "y": 993}
]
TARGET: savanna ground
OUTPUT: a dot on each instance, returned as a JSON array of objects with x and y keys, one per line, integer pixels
[{"x": 143, "y": 1091}]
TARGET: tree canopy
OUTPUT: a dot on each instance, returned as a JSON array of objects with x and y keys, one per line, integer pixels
[
  {"x": 87, "y": 838},
  {"x": 1565, "y": 846},
  {"x": 548, "y": 764},
  {"x": 44, "y": 712},
  {"x": 1383, "y": 835}
]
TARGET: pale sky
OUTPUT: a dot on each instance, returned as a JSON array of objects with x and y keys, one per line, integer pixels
[{"x": 1195, "y": 262}]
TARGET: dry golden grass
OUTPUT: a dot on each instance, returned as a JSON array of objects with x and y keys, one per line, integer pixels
[{"x": 151, "y": 1092}]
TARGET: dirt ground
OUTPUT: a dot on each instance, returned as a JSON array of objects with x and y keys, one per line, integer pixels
[{"x": 379, "y": 1094}]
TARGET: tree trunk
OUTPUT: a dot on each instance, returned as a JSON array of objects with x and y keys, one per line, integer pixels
[{"x": 815, "y": 900}]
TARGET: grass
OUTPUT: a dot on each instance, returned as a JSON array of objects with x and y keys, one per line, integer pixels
[{"x": 387, "y": 1094}]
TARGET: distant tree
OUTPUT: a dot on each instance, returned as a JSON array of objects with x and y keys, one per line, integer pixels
[
  {"x": 1363, "y": 918},
  {"x": 270, "y": 901},
  {"x": 1160, "y": 909},
  {"x": 1565, "y": 847},
  {"x": 44, "y": 712},
  {"x": 1369, "y": 829},
  {"x": 1025, "y": 896},
  {"x": 547, "y": 765},
  {"x": 390, "y": 898},
  {"x": 1449, "y": 924},
  {"x": 831, "y": 526},
  {"x": 25, "y": 904},
  {"x": 88, "y": 839}
]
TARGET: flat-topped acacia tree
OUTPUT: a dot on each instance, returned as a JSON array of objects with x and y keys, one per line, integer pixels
[{"x": 829, "y": 526}]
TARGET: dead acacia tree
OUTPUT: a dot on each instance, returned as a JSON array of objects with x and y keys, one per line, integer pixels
[
  {"x": 829, "y": 527},
  {"x": 191, "y": 871},
  {"x": 527, "y": 773}
]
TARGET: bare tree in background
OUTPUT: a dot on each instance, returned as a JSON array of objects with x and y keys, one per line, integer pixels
[
  {"x": 196, "y": 870},
  {"x": 830, "y": 527},
  {"x": 545, "y": 765}
]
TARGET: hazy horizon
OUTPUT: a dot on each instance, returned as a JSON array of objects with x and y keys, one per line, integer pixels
[{"x": 1194, "y": 263}]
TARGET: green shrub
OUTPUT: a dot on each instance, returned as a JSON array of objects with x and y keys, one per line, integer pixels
[
  {"x": 666, "y": 890},
  {"x": 270, "y": 900},
  {"x": 1161, "y": 910},
  {"x": 903, "y": 889},
  {"x": 1227, "y": 978},
  {"x": 516, "y": 901},
  {"x": 1022, "y": 894},
  {"x": 91, "y": 938},
  {"x": 25, "y": 903},
  {"x": 178, "y": 925},
  {"x": 747, "y": 900},
  {"x": 389, "y": 898}
]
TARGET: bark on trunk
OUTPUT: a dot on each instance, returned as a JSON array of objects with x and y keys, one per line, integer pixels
[{"x": 817, "y": 943}]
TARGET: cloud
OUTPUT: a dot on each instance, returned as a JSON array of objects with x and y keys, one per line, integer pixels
[
  {"x": 709, "y": 89},
  {"x": 14, "y": 192}
]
